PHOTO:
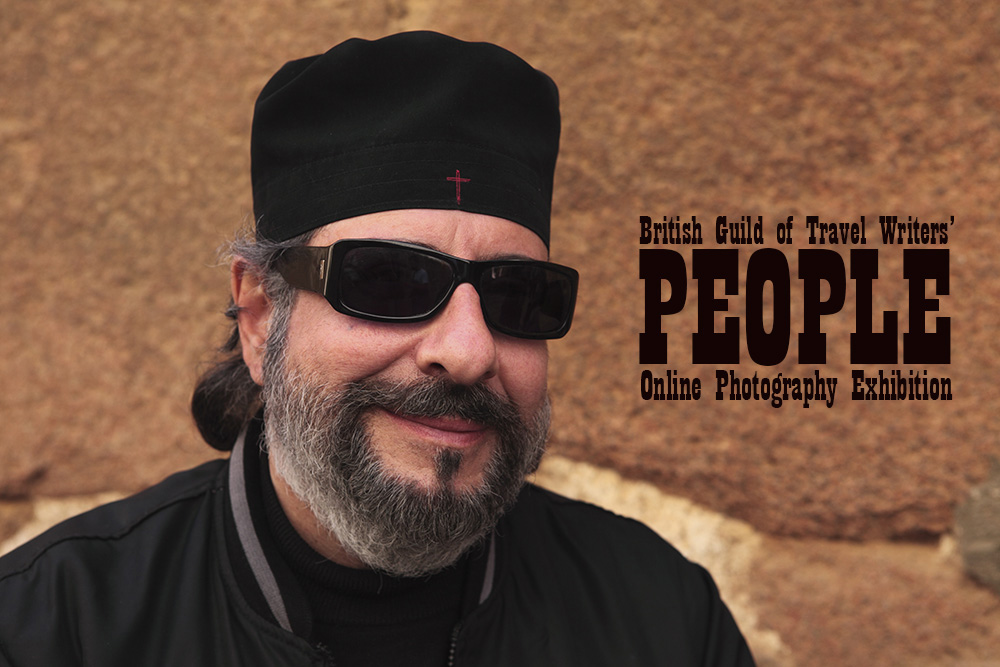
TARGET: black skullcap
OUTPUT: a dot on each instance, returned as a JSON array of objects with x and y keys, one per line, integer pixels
[{"x": 415, "y": 120}]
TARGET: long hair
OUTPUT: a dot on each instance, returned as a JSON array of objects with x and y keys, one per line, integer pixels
[{"x": 226, "y": 397}]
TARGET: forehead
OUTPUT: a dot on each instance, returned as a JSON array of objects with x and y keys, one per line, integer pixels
[{"x": 467, "y": 235}]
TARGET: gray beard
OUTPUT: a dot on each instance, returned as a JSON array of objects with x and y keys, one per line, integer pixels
[{"x": 322, "y": 448}]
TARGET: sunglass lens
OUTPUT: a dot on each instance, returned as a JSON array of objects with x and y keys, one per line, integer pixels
[
  {"x": 393, "y": 282},
  {"x": 529, "y": 300}
]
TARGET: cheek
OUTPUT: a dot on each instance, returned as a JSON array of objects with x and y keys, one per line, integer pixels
[
  {"x": 524, "y": 372},
  {"x": 339, "y": 348}
]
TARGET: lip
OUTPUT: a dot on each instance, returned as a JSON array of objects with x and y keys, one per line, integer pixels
[{"x": 446, "y": 431}]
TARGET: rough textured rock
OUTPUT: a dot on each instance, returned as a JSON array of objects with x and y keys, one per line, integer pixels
[
  {"x": 977, "y": 527},
  {"x": 877, "y": 603},
  {"x": 124, "y": 163},
  {"x": 124, "y": 131}
]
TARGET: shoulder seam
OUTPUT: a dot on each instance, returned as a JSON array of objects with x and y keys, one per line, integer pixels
[{"x": 210, "y": 485}]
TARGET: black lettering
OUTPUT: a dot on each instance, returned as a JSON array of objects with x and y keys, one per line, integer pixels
[
  {"x": 645, "y": 233},
  {"x": 919, "y": 346},
  {"x": 815, "y": 266},
  {"x": 868, "y": 347},
  {"x": 709, "y": 347},
  {"x": 656, "y": 266},
  {"x": 768, "y": 266}
]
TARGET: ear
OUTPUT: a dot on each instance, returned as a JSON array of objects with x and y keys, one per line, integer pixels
[{"x": 253, "y": 316}]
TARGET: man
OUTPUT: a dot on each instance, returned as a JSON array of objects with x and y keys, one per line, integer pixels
[{"x": 384, "y": 400}]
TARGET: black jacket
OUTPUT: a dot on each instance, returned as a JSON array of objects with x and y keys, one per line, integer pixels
[{"x": 150, "y": 581}]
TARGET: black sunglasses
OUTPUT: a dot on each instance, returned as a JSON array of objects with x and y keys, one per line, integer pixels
[{"x": 393, "y": 281}]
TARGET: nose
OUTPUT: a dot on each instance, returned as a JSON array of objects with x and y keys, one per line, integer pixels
[{"x": 458, "y": 343}]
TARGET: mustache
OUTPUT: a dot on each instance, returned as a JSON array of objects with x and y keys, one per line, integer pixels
[{"x": 434, "y": 397}]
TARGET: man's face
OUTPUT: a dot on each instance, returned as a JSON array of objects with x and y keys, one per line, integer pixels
[
  {"x": 455, "y": 345},
  {"x": 439, "y": 420}
]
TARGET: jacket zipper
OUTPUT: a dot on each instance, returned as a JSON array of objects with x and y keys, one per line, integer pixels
[
  {"x": 328, "y": 660},
  {"x": 454, "y": 644}
]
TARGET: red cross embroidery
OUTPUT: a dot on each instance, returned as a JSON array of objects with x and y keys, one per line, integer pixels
[{"x": 458, "y": 185}]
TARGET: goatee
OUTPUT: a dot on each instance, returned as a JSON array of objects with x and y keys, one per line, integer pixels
[{"x": 322, "y": 448}]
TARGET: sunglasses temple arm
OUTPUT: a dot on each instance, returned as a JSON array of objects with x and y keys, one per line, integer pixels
[{"x": 305, "y": 267}]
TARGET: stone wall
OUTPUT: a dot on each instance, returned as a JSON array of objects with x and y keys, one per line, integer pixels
[{"x": 124, "y": 163}]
